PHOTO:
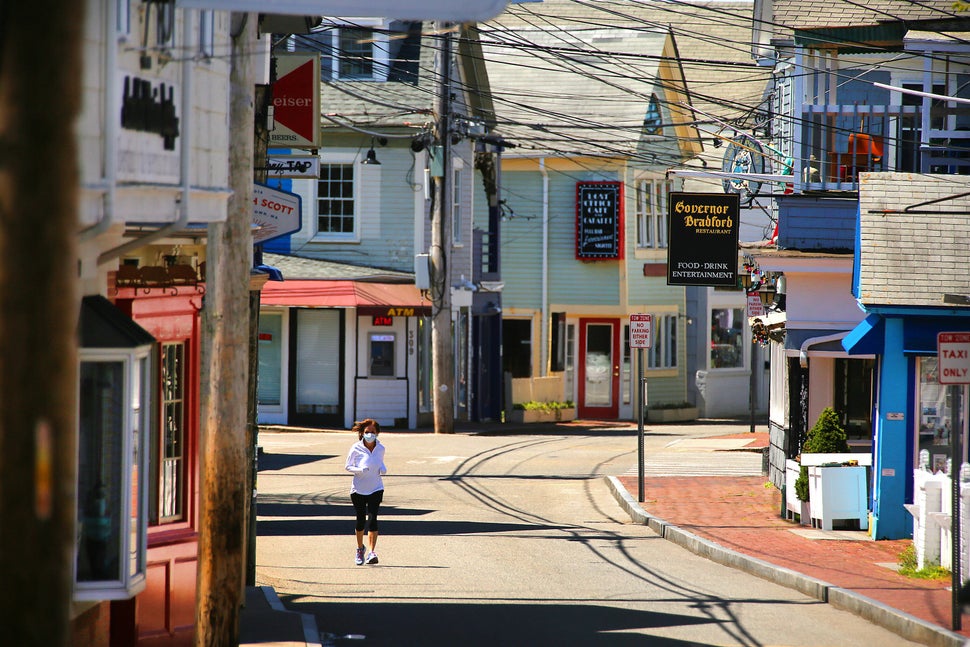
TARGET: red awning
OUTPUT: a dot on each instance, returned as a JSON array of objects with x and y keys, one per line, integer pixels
[{"x": 368, "y": 297}]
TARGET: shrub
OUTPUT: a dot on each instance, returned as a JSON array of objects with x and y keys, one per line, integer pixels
[
  {"x": 908, "y": 567},
  {"x": 826, "y": 437}
]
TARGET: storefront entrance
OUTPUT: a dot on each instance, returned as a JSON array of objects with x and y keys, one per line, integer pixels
[{"x": 599, "y": 368}]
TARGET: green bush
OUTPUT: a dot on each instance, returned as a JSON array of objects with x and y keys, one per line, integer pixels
[
  {"x": 826, "y": 437},
  {"x": 908, "y": 567},
  {"x": 671, "y": 405}
]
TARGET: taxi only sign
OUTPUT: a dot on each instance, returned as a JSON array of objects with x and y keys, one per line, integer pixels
[{"x": 953, "y": 354}]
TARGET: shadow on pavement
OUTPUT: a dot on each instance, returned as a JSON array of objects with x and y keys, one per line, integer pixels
[{"x": 437, "y": 624}]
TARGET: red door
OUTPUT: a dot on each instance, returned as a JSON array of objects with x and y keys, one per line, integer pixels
[{"x": 599, "y": 368}]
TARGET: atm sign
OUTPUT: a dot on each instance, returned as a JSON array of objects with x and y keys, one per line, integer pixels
[{"x": 382, "y": 320}]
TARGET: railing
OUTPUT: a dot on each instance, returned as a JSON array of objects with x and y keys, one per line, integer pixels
[{"x": 838, "y": 142}]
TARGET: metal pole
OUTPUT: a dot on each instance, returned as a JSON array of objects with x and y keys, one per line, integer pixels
[
  {"x": 753, "y": 385},
  {"x": 956, "y": 430},
  {"x": 640, "y": 390}
]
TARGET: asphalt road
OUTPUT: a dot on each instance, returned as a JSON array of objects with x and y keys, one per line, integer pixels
[{"x": 510, "y": 540}]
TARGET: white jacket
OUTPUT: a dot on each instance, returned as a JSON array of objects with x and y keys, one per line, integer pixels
[{"x": 367, "y": 466}]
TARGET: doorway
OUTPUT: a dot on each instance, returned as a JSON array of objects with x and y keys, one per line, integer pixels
[{"x": 599, "y": 368}]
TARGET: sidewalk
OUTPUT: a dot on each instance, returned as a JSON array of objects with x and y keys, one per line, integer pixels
[{"x": 737, "y": 521}]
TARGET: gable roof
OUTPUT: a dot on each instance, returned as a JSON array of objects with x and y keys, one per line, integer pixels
[
  {"x": 712, "y": 38},
  {"x": 570, "y": 92}
]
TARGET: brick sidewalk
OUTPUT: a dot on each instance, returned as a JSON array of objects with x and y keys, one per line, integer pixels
[{"x": 743, "y": 514}]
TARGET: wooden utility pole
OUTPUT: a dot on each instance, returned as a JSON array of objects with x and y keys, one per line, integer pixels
[
  {"x": 38, "y": 297},
  {"x": 442, "y": 358},
  {"x": 225, "y": 367}
]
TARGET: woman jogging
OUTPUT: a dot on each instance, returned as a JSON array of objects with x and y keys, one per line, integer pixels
[{"x": 366, "y": 462}]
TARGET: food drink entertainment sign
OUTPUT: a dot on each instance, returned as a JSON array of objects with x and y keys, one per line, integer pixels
[
  {"x": 599, "y": 220},
  {"x": 703, "y": 245}
]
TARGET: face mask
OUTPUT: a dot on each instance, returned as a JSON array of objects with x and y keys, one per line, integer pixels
[{"x": 370, "y": 437}]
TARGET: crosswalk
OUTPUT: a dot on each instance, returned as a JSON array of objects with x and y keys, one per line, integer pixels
[{"x": 699, "y": 464}]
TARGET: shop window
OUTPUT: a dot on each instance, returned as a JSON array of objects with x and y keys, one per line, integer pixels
[
  {"x": 935, "y": 409},
  {"x": 558, "y": 342},
  {"x": 170, "y": 484},
  {"x": 517, "y": 347},
  {"x": 727, "y": 328},
  {"x": 114, "y": 394},
  {"x": 381, "y": 355},
  {"x": 663, "y": 347}
]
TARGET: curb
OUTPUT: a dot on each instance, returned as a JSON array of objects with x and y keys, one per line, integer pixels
[
  {"x": 311, "y": 635},
  {"x": 903, "y": 624}
]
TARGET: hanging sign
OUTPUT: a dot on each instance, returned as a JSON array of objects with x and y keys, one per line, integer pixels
[
  {"x": 275, "y": 213},
  {"x": 296, "y": 102},
  {"x": 303, "y": 167},
  {"x": 953, "y": 357},
  {"x": 599, "y": 220},
  {"x": 703, "y": 246}
]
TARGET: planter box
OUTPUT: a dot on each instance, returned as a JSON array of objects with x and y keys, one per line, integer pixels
[
  {"x": 793, "y": 505},
  {"x": 520, "y": 416},
  {"x": 838, "y": 493},
  {"x": 672, "y": 415}
]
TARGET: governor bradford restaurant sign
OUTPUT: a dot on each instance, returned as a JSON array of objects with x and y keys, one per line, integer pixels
[
  {"x": 703, "y": 245},
  {"x": 599, "y": 222}
]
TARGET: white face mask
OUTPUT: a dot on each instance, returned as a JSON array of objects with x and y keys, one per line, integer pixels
[{"x": 370, "y": 437}]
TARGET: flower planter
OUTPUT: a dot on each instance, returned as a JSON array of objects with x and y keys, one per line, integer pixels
[{"x": 683, "y": 414}]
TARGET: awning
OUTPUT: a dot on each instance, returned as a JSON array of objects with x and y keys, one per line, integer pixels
[
  {"x": 367, "y": 297},
  {"x": 867, "y": 338}
]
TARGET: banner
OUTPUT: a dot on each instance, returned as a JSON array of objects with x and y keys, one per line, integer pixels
[{"x": 703, "y": 245}]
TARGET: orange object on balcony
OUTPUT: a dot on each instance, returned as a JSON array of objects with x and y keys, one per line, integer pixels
[{"x": 865, "y": 154}]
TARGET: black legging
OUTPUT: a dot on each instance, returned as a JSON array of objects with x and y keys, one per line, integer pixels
[{"x": 367, "y": 506}]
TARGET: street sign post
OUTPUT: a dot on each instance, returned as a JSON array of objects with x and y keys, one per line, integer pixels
[
  {"x": 953, "y": 368},
  {"x": 641, "y": 326}
]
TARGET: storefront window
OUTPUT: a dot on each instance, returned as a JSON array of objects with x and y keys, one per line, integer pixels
[
  {"x": 936, "y": 414},
  {"x": 727, "y": 343}
]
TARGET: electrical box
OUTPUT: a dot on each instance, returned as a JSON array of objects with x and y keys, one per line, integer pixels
[{"x": 422, "y": 271}]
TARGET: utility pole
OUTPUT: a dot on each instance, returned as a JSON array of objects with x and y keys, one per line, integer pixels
[
  {"x": 38, "y": 349},
  {"x": 441, "y": 337},
  {"x": 225, "y": 366}
]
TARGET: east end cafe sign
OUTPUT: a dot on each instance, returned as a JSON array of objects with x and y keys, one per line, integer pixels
[{"x": 703, "y": 245}]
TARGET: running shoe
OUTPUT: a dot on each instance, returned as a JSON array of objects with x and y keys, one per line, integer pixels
[
  {"x": 360, "y": 556},
  {"x": 372, "y": 558}
]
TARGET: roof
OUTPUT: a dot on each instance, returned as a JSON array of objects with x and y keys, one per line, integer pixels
[
  {"x": 300, "y": 267},
  {"x": 834, "y": 15},
  {"x": 913, "y": 257},
  {"x": 345, "y": 294}
]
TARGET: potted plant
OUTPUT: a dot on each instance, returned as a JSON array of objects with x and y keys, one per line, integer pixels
[{"x": 830, "y": 477}]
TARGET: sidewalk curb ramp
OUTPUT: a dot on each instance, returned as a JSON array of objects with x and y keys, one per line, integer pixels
[
  {"x": 267, "y": 623},
  {"x": 900, "y": 623}
]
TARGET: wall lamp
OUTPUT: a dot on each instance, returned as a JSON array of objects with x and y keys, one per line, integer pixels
[{"x": 371, "y": 157}]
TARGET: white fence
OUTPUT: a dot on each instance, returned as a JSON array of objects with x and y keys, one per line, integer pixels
[{"x": 932, "y": 512}]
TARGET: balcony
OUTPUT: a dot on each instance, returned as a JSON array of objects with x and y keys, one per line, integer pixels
[{"x": 837, "y": 143}]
